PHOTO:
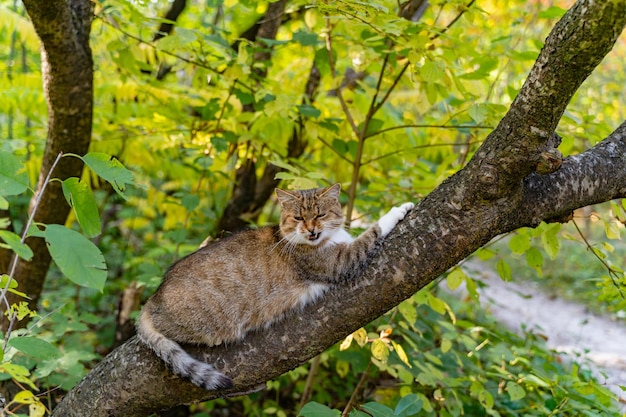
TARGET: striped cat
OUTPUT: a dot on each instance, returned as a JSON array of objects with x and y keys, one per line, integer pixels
[{"x": 252, "y": 279}]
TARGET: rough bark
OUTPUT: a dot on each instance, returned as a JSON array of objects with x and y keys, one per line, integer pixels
[
  {"x": 448, "y": 225},
  {"x": 63, "y": 27}
]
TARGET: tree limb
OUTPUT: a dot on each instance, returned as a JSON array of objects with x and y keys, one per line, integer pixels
[
  {"x": 575, "y": 46},
  {"x": 433, "y": 238}
]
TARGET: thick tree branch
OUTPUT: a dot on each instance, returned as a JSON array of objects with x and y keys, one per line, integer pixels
[
  {"x": 573, "y": 49},
  {"x": 432, "y": 239}
]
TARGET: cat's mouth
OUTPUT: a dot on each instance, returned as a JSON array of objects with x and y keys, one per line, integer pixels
[{"x": 313, "y": 237}]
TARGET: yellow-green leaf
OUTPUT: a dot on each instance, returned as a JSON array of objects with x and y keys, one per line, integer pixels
[
  {"x": 360, "y": 336},
  {"x": 346, "y": 342},
  {"x": 380, "y": 350},
  {"x": 455, "y": 278},
  {"x": 516, "y": 392},
  {"x": 401, "y": 353}
]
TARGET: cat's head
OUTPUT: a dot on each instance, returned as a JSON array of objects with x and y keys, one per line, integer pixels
[{"x": 310, "y": 216}]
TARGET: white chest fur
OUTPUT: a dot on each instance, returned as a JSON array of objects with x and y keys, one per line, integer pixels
[{"x": 312, "y": 293}]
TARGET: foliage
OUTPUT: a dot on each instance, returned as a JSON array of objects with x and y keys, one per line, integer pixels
[
  {"x": 590, "y": 245},
  {"x": 400, "y": 106},
  {"x": 78, "y": 259}
]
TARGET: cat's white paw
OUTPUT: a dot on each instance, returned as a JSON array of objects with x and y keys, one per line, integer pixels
[{"x": 389, "y": 220}]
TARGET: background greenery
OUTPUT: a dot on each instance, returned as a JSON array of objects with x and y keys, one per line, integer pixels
[{"x": 185, "y": 112}]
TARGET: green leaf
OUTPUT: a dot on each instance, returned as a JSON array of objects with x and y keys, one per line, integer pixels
[
  {"x": 82, "y": 201},
  {"x": 504, "y": 270},
  {"x": 455, "y": 278},
  {"x": 190, "y": 201},
  {"x": 478, "y": 112},
  {"x": 486, "y": 399},
  {"x": 305, "y": 38},
  {"x": 519, "y": 243},
  {"x": 13, "y": 175},
  {"x": 10, "y": 284},
  {"x": 408, "y": 405},
  {"x": 378, "y": 410},
  {"x": 111, "y": 170},
  {"x": 516, "y": 392},
  {"x": 285, "y": 165},
  {"x": 25, "y": 397},
  {"x": 35, "y": 347},
  {"x": 14, "y": 242},
  {"x": 534, "y": 259},
  {"x": 552, "y": 12},
  {"x": 372, "y": 127},
  {"x": 431, "y": 72},
  {"x": 446, "y": 345},
  {"x": 308, "y": 110},
  {"x": 357, "y": 413},
  {"x": 408, "y": 310},
  {"x": 76, "y": 256},
  {"x": 550, "y": 242},
  {"x": 209, "y": 111},
  {"x": 436, "y": 304},
  {"x": 314, "y": 409}
]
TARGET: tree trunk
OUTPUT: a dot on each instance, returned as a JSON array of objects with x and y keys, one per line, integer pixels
[
  {"x": 63, "y": 28},
  {"x": 516, "y": 179}
]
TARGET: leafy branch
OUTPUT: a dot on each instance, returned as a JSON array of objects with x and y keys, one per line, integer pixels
[{"x": 614, "y": 273}]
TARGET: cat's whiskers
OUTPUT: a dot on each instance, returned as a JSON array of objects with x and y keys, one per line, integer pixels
[{"x": 289, "y": 243}]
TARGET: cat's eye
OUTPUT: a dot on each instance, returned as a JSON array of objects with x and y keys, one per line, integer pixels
[
  {"x": 298, "y": 218},
  {"x": 319, "y": 216}
]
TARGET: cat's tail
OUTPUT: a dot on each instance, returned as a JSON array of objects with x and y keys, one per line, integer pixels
[{"x": 180, "y": 362}]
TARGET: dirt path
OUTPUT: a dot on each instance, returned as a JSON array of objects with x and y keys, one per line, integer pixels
[{"x": 570, "y": 327}]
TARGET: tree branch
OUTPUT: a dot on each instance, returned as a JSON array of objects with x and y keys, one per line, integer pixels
[
  {"x": 573, "y": 49},
  {"x": 432, "y": 239},
  {"x": 447, "y": 226}
]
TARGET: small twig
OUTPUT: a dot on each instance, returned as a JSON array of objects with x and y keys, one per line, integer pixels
[
  {"x": 14, "y": 261},
  {"x": 199, "y": 64},
  {"x": 356, "y": 391},
  {"x": 423, "y": 126},
  {"x": 453, "y": 21},
  {"x": 308, "y": 386},
  {"x": 413, "y": 148},
  {"x": 333, "y": 70},
  {"x": 612, "y": 274}
]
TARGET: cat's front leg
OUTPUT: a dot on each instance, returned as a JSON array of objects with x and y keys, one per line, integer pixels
[{"x": 393, "y": 216}]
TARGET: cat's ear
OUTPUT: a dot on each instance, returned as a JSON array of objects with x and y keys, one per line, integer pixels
[
  {"x": 285, "y": 196},
  {"x": 332, "y": 191}
]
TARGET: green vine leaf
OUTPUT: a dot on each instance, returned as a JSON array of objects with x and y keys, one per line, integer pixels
[
  {"x": 14, "y": 243},
  {"x": 111, "y": 170},
  {"x": 76, "y": 256},
  {"x": 35, "y": 347},
  {"x": 82, "y": 201},
  {"x": 314, "y": 409}
]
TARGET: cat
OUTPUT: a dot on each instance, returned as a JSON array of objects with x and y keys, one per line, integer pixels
[{"x": 252, "y": 279}]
